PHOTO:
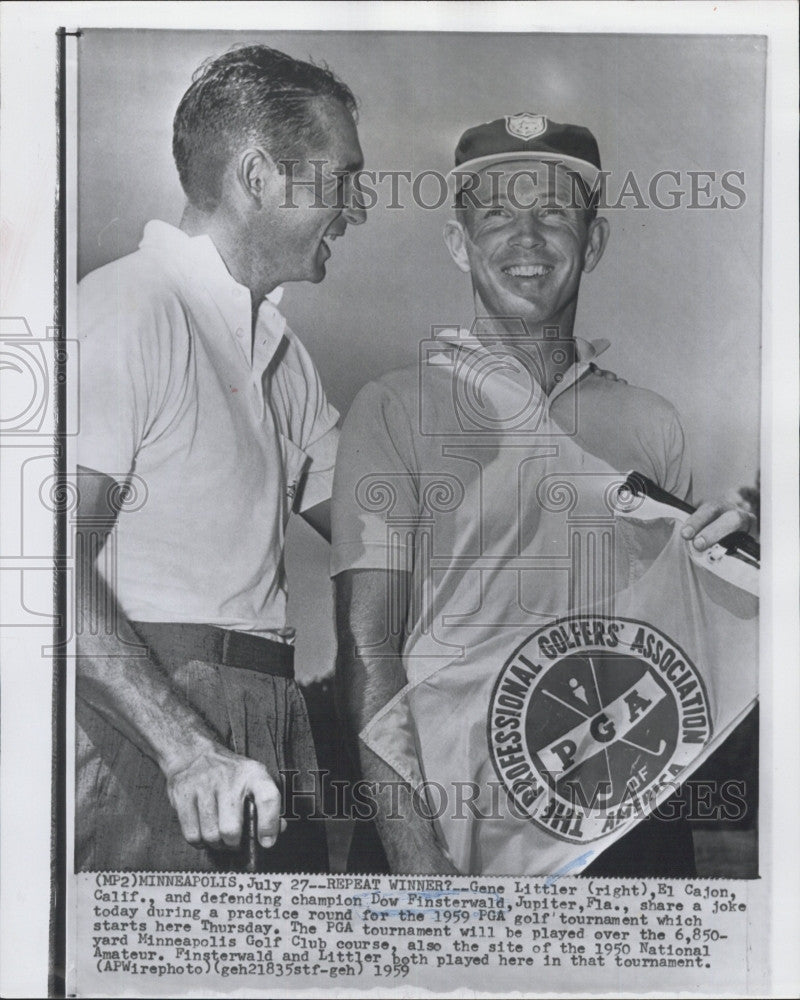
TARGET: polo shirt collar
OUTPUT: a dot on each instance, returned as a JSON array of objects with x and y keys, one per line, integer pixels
[
  {"x": 465, "y": 340},
  {"x": 198, "y": 258}
]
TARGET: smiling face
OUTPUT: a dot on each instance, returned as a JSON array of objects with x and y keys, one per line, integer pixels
[
  {"x": 311, "y": 201},
  {"x": 526, "y": 245}
]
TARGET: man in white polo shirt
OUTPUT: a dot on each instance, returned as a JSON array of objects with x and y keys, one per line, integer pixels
[
  {"x": 471, "y": 508},
  {"x": 203, "y": 426}
]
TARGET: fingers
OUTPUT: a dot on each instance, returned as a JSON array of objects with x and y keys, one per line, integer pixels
[
  {"x": 209, "y": 797},
  {"x": 606, "y": 374},
  {"x": 198, "y": 816},
  {"x": 208, "y": 816},
  {"x": 268, "y": 809},
  {"x": 189, "y": 820},
  {"x": 267, "y": 801},
  {"x": 230, "y": 810},
  {"x": 712, "y": 521}
]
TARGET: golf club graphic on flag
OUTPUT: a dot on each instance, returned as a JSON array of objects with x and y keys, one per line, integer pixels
[{"x": 597, "y": 715}]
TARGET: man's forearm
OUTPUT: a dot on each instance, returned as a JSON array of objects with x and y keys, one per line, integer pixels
[
  {"x": 369, "y": 673},
  {"x": 408, "y": 837},
  {"x": 206, "y": 782},
  {"x": 128, "y": 689}
]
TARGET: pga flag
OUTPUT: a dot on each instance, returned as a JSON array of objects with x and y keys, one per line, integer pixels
[
  {"x": 597, "y": 718},
  {"x": 539, "y": 747}
]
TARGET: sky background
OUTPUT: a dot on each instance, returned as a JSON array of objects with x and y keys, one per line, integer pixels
[{"x": 678, "y": 292}]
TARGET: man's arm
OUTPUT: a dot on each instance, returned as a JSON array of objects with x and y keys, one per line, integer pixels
[
  {"x": 369, "y": 673},
  {"x": 206, "y": 783}
]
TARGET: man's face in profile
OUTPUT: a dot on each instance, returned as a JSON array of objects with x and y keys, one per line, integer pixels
[
  {"x": 316, "y": 202},
  {"x": 526, "y": 241}
]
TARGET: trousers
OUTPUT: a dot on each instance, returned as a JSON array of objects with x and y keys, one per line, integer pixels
[{"x": 123, "y": 818}]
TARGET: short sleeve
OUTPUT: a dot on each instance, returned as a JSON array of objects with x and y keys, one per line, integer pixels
[
  {"x": 318, "y": 480},
  {"x": 375, "y": 490},
  {"x": 124, "y": 373},
  {"x": 677, "y": 461}
]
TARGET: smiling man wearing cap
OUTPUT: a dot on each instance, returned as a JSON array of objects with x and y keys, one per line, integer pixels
[
  {"x": 452, "y": 487},
  {"x": 527, "y": 231}
]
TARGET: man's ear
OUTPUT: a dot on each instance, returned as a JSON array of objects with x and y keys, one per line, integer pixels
[
  {"x": 599, "y": 231},
  {"x": 257, "y": 173},
  {"x": 455, "y": 239}
]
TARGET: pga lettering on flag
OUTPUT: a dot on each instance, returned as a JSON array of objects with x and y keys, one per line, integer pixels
[{"x": 561, "y": 738}]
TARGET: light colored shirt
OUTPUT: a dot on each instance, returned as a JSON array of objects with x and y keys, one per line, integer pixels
[
  {"x": 494, "y": 497},
  {"x": 477, "y": 421},
  {"x": 221, "y": 433}
]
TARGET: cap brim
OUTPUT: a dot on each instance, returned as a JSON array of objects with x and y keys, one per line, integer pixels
[{"x": 588, "y": 171}]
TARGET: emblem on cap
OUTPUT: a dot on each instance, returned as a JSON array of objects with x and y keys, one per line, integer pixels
[{"x": 525, "y": 125}]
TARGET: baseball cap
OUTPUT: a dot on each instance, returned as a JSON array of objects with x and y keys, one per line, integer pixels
[{"x": 528, "y": 136}]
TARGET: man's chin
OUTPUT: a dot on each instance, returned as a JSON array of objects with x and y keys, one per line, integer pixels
[
  {"x": 315, "y": 273},
  {"x": 531, "y": 313}
]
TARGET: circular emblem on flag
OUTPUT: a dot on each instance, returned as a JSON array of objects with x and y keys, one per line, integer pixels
[{"x": 592, "y": 721}]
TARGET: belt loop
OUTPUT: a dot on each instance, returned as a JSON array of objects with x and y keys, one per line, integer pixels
[{"x": 226, "y": 638}]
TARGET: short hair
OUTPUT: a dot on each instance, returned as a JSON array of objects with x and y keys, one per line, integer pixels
[{"x": 251, "y": 93}]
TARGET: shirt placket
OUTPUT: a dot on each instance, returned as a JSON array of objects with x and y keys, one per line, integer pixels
[
  {"x": 239, "y": 322},
  {"x": 523, "y": 385},
  {"x": 269, "y": 330},
  {"x": 258, "y": 348}
]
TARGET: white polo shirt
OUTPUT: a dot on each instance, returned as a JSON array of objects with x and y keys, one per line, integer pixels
[
  {"x": 223, "y": 437},
  {"x": 492, "y": 495}
]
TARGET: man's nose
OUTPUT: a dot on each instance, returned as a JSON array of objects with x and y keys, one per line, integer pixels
[
  {"x": 354, "y": 212},
  {"x": 527, "y": 231}
]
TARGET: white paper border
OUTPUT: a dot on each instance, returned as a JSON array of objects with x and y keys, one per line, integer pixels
[{"x": 27, "y": 183}]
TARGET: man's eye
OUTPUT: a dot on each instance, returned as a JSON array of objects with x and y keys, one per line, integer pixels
[
  {"x": 495, "y": 211},
  {"x": 553, "y": 210}
]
